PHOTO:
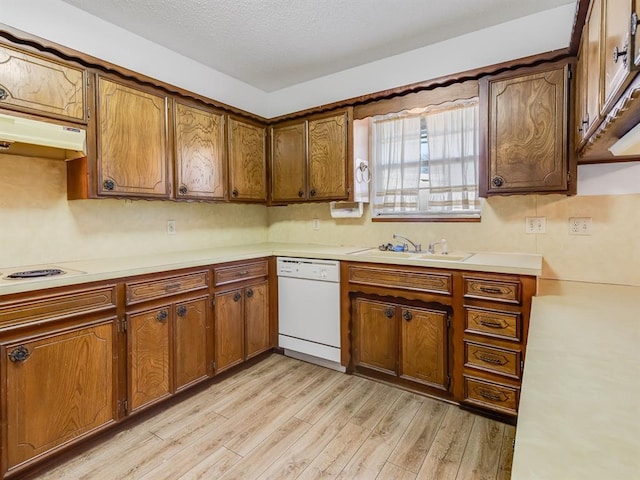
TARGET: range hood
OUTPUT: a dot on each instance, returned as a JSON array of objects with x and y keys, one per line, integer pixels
[
  {"x": 629, "y": 144},
  {"x": 35, "y": 138}
]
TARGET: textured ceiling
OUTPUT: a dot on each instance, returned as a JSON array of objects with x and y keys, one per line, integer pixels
[{"x": 272, "y": 44}]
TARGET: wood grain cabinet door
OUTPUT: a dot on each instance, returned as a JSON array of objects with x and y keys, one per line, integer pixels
[
  {"x": 289, "y": 162},
  {"x": 258, "y": 332},
  {"x": 375, "y": 330},
  {"x": 55, "y": 389},
  {"x": 148, "y": 348},
  {"x": 191, "y": 337},
  {"x": 527, "y": 133},
  {"x": 229, "y": 329},
  {"x": 200, "y": 154},
  {"x": 247, "y": 161},
  {"x": 35, "y": 84},
  {"x": 328, "y": 158},
  {"x": 617, "y": 43},
  {"x": 133, "y": 153},
  {"x": 424, "y": 346}
]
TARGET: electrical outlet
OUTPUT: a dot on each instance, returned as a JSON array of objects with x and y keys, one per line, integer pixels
[
  {"x": 535, "y": 225},
  {"x": 580, "y": 225},
  {"x": 315, "y": 224},
  {"x": 171, "y": 227}
]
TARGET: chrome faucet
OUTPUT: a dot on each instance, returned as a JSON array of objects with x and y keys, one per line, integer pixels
[
  {"x": 416, "y": 246},
  {"x": 444, "y": 248}
]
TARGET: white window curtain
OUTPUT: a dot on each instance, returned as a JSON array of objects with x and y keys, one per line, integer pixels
[
  {"x": 396, "y": 166},
  {"x": 453, "y": 159}
]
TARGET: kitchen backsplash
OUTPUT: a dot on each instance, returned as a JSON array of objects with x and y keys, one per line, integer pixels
[
  {"x": 609, "y": 255},
  {"x": 39, "y": 225}
]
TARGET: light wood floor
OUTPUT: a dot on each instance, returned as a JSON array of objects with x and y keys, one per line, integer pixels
[{"x": 286, "y": 419}]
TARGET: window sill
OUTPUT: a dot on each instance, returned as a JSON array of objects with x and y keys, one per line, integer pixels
[{"x": 406, "y": 218}]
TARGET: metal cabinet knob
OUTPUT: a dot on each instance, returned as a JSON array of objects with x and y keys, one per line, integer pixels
[
  {"x": 497, "y": 181},
  {"x": 407, "y": 315},
  {"x": 182, "y": 190},
  {"x": 3, "y": 94},
  {"x": 389, "y": 312},
  {"x": 237, "y": 296},
  {"x": 250, "y": 293},
  {"x": 19, "y": 354},
  {"x": 109, "y": 184},
  {"x": 162, "y": 316},
  {"x": 181, "y": 311},
  {"x": 235, "y": 192}
]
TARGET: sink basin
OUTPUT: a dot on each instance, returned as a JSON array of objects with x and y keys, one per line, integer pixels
[{"x": 450, "y": 257}]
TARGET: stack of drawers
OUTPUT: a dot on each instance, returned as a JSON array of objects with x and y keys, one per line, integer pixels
[{"x": 496, "y": 316}]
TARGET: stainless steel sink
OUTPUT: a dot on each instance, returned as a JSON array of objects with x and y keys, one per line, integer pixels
[{"x": 450, "y": 257}]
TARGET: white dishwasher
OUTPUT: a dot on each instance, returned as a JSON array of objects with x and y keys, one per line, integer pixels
[{"x": 309, "y": 310}]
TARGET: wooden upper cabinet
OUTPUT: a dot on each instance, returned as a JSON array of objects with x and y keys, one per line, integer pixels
[
  {"x": 200, "y": 153},
  {"x": 289, "y": 162},
  {"x": 525, "y": 131},
  {"x": 247, "y": 161},
  {"x": 39, "y": 85},
  {"x": 617, "y": 56},
  {"x": 329, "y": 157},
  {"x": 133, "y": 153}
]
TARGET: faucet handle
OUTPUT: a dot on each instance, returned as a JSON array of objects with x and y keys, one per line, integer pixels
[{"x": 445, "y": 246}]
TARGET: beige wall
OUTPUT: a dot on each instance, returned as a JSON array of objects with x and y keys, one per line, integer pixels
[
  {"x": 39, "y": 225},
  {"x": 611, "y": 254}
]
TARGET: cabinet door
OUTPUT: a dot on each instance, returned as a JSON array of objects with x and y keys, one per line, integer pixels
[
  {"x": 39, "y": 85},
  {"x": 289, "y": 162},
  {"x": 617, "y": 55},
  {"x": 56, "y": 388},
  {"x": 247, "y": 161},
  {"x": 375, "y": 335},
  {"x": 636, "y": 33},
  {"x": 132, "y": 141},
  {"x": 592, "y": 52},
  {"x": 258, "y": 332},
  {"x": 582, "y": 75},
  {"x": 200, "y": 154},
  {"x": 424, "y": 344},
  {"x": 328, "y": 158},
  {"x": 191, "y": 338},
  {"x": 527, "y": 142},
  {"x": 229, "y": 329},
  {"x": 148, "y": 335}
]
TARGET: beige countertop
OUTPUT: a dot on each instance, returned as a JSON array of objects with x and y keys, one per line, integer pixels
[
  {"x": 111, "y": 268},
  {"x": 578, "y": 414}
]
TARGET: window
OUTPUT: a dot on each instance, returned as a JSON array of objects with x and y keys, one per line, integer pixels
[{"x": 425, "y": 163}]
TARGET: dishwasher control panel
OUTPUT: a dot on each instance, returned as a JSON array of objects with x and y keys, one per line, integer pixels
[{"x": 311, "y": 269}]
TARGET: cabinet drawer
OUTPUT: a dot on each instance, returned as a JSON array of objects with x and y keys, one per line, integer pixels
[
  {"x": 494, "y": 396},
  {"x": 409, "y": 280},
  {"x": 493, "y": 323},
  {"x": 507, "y": 291},
  {"x": 238, "y": 273},
  {"x": 48, "y": 307},
  {"x": 492, "y": 359},
  {"x": 151, "y": 289}
]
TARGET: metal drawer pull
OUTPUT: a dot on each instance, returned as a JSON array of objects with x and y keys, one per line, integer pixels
[
  {"x": 491, "y": 396},
  {"x": 172, "y": 286},
  {"x": 492, "y": 360},
  {"x": 490, "y": 290},
  {"x": 162, "y": 316},
  {"x": 242, "y": 273},
  {"x": 19, "y": 354},
  {"x": 490, "y": 324}
]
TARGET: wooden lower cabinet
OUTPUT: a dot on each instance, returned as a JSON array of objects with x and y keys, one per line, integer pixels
[
  {"x": 406, "y": 341},
  {"x": 148, "y": 357},
  {"x": 167, "y": 350},
  {"x": 57, "y": 387},
  {"x": 242, "y": 327}
]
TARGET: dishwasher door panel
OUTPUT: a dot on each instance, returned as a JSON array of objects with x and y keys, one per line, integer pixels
[{"x": 309, "y": 310}]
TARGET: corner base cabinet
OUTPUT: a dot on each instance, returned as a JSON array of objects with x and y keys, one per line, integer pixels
[{"x": 58, "y": 355}]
